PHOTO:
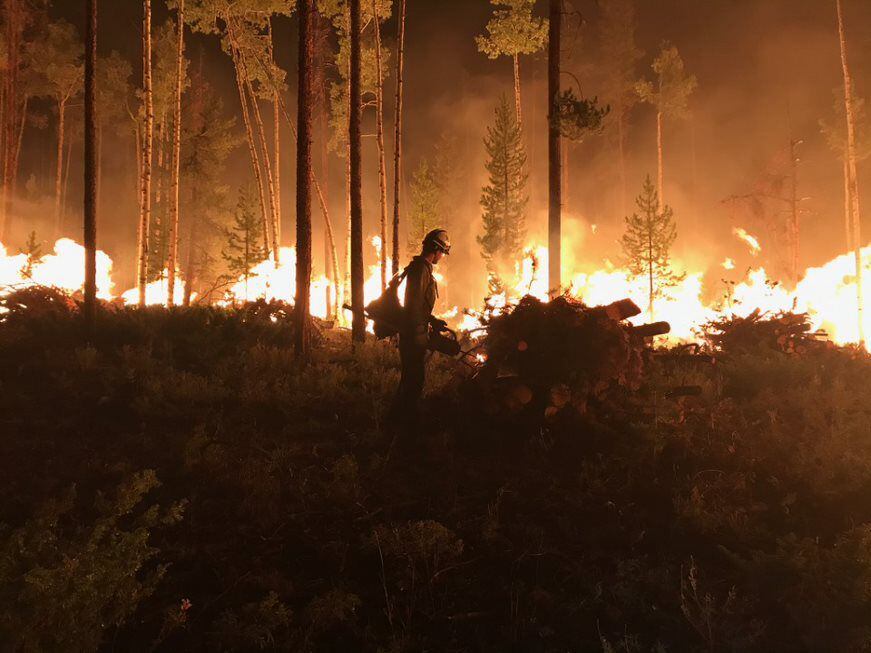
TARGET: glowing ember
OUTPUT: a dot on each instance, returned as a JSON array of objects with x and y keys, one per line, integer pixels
[{"x": 752, "y": 241}]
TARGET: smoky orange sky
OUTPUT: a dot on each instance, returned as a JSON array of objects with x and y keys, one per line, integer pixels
[{"x": 766, "y": 73}]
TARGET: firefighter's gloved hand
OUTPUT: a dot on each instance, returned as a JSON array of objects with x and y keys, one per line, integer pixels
[{"x": 438, "y": 325}]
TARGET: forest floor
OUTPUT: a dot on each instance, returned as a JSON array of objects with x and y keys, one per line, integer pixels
[{"x": 183, "y": 483}]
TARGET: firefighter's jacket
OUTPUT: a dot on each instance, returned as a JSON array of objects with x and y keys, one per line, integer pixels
[{"x": 421, "y": 292}]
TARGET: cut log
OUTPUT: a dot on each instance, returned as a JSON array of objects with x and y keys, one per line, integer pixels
[
  {"x": 621, "y": 310},
  {"x": 652, "y": 329}
]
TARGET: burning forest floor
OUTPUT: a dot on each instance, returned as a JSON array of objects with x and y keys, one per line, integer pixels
[{"x": 182, "y": 483}]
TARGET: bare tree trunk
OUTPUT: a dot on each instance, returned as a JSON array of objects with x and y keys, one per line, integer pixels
[
  {"x": 99, "y": 166},
  {"x": 16, "y": 152},
  {"x": 276, "y": 138},
  {"x": 848, "y": 209},
  {"x": 158, "y": 177},
  {"x": 321, "y": 199},
  {"x": 13, "y": 19},
  {"x": 58, "y": 184},
  {"x": 249, "y": 132},
  {"x": 853, "y": 183},
  {"x": 397, "y": 137},
  {"x": 650, "y": 309},
  {"x": 517, "y": 106},
  {"x": 794, "y": 219},
  {"x": 190, "y": 274},
  {"x": 302, "y": 302},
  {"x": 137, "y": 144},
  {"x": 90, "y": 202},
  {"x": 267, "y": 165},
  {"x": 659, "y": 172},
  {"x": 554, "y": 216},
  {"x": 64, "y": 202},
  {"x": 358, "y": 330},
  {"x": 330, "y": 263},
  {"x": 621, "y": 145},
  {"x": 346, "y": 286},
  {"x": 145, "y": 217},
  {"x": 172, "y": 261},
  {"x": 379, "y": 128}
]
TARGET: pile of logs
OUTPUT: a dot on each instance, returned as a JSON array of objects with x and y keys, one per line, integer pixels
[{"x": 563, "y": 354}]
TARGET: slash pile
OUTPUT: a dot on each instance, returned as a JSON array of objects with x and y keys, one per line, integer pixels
[
  {"x": 788, "y": 333},
  {"x": 562, "y": 353}
]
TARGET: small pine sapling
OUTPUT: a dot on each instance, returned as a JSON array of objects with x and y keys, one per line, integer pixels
[{"x": 650, "y": 233}]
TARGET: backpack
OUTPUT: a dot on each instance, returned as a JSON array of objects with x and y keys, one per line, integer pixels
[{"x": 386, "y": 313}]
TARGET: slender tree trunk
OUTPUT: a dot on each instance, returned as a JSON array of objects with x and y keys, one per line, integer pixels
[
  {"x": 137, "y": 144},
  {"x": 650, "y": 310},
  {"x": 554, "y": 216},
  {"x": 659, "y": 173},
  {"x": 848, "y": 210},
  {"x": 565, "y": 146},
  {"x": 302, "y": 303},
  {"x": 321, "y": 199},
  {"x": 15, "y": 155},
  {"x": 358, "y": 331},
  {"x": 794, "y": 221},
  {"x": 58, "y": 184},
  {"x": 190, "y": 274},
  {"x": 13, "y": 19},
  {"x": 517, "y": 105},
  {"x": 379, "y": 128},
  {"x": 249, "y": 132},
  {"x": 162, "y": 131},
  {"x": 276, "y": 138},
  {"x": 346, "y": 287},
  {"x": 172, "y": 263},
  {"x": 64, "y": 202},
  {"x": 397, "y": 137},
  {"x": 99, "y": 166},
  {"x": 853, "y": 183},
  {"x": 621, "y": 145},
  {"x": 267, "y": 165},
  {"x": 90, "y": 202},
  {"x": 145, "y": 217},
  {"x": 330, "y": 262}
]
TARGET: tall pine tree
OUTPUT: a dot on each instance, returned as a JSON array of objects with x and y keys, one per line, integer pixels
[
  {"x": 669, "y": 94},
  {"x": 650, "y": 233},
  {"x": 504, "y": 198}
]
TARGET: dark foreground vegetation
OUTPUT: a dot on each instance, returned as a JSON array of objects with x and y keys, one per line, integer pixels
[{"x": 183, "y": 484}]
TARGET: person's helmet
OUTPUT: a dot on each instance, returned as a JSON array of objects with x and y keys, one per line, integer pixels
[{"x": 438, "y": 239}]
